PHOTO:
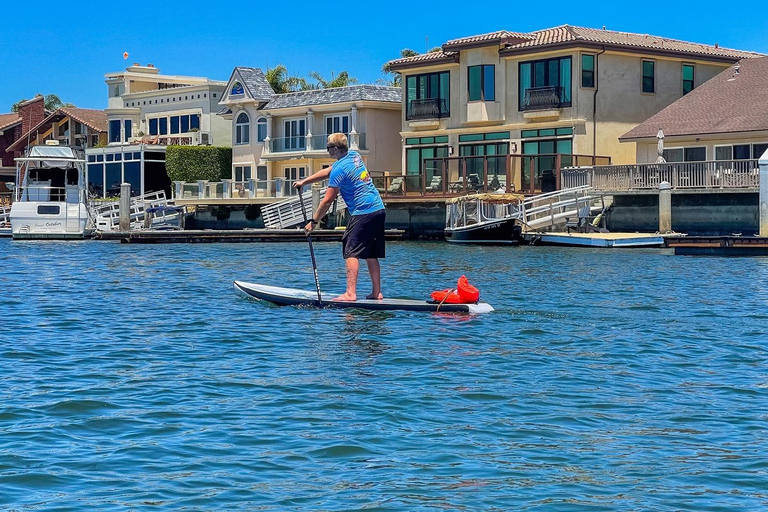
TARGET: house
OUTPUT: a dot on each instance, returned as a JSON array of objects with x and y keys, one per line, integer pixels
[
  {"x": 280, "y": 138},
  {"x": 726, "y": 119},
  {"x": 147, "y": 112},
  {"x": 12, "y": 127},
  {"x": 562, "y": 90},
  {"x": 79, "y": 128}
]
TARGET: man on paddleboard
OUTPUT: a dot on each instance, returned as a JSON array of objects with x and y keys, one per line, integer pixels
[{"x": 364, "y": 236}]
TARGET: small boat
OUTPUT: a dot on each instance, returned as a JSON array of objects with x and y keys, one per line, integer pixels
[
  {"x": 484, "y": 219},
  {"x": 51, "y": 200},
  {"x": 294, "y": 297}
]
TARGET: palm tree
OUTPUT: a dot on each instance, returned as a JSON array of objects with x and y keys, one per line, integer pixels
[
  {"x": 341, "y": 80},
  {"x": 281, "y": 82},
  {"x": 395, "y": 79}
]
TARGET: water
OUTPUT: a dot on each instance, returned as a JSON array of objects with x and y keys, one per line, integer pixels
[{"x": 134, "y": 379}]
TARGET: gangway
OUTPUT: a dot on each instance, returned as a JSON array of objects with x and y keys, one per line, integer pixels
[
  {"x": 544, "y": 212},
  {"x": 108, "y": 214},
  {"x": 287, "y": 213}
]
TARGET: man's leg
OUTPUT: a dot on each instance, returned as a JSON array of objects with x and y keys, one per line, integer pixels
[
  {"x": 353, "y": 267},
  {"x": 374, "y": 269}
]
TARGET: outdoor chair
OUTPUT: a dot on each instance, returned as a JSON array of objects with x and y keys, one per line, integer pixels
[
  {"x": 396, "y": 187},
  {"x": 473, "y": 182},
  {"x": 436, "y": 185}
]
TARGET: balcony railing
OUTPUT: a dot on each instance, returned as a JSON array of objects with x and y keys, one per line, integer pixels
[
  {"x": 721, "y": 174},
  {"x": 542, "y": 98},
  {"x": 430, "y": 108},
  {"x": 286, "y": 144}
]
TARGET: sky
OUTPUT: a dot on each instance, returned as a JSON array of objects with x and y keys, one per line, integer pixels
[{"x": 66, "y": 49}]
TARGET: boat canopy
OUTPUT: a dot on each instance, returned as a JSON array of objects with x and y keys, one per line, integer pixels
[
  {"x": 487, "y": 198},
  {"x": 51, "y": 156}
]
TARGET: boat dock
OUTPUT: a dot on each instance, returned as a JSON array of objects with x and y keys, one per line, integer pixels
[
  {"x": 718, "y": 245},
  {"x": 156, "y": 236},
  {"x": 595, "y": 239}
]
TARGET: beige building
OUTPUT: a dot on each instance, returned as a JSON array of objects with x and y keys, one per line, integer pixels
[
  {"x": 724, "y": 120},
  {"x": 280, "y": 138},
  {"x": 566, "y": 90}
]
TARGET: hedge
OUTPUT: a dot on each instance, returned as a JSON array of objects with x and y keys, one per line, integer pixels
[{"x": 192, "y": 163}]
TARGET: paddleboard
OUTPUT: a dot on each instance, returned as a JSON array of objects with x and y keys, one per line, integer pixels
[{"x": 294, "y": 297}]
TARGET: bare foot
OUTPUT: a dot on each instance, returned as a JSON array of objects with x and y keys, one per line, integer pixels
[
  {"x": 345, "y": 298},
  {"x": 375, "y": 297}
]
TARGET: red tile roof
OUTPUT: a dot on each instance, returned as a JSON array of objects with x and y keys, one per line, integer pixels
[
  {"x": 498, "y": 37},
  {"x": 729, "y": 102},
  {"x": 424, "y": 58},
  {"x": 94, "y": 119},
  {"x": 7, "y": 120}
]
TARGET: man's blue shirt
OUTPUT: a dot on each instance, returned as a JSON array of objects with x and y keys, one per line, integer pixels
[{"x": 354, "y": 182}]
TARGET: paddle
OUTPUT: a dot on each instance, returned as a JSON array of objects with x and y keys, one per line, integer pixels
[{"x": 311, "y": 249}]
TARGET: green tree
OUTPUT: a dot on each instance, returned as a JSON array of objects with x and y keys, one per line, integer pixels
[
  {"x": 393, "y": 78},
  {"x": 52, "y": 102},
  {"x": 341, "y": 80},
  {"x": 282, "y": 82}
]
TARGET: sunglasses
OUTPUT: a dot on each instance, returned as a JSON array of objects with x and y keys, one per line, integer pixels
[{"x": 330, "y": 146}]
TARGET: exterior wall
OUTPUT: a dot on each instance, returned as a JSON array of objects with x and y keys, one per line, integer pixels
[
  {"x": 383, "y": 140},
  {"x": 9, "y": 136},
  {"x": 647, "y": 151}
]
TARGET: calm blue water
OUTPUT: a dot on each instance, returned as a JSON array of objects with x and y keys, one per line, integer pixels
[{"x": 134, "y": 379}]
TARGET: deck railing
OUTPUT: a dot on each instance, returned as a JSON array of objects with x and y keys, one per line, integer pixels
[{"x": 720, "y": 174}]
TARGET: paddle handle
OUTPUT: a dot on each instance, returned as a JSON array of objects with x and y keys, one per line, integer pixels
[{"x": 311, "y": 249}]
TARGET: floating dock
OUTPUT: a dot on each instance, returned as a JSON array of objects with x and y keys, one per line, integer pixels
[
  {"x": 595, "y": 239},
  {"x": 718, "y": 245},
  {"x": 149, "y": 236}
]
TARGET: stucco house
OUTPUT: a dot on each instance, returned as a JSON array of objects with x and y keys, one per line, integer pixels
[
  {"x": 566, "y": 90},
  {"x": 279, "y": 138},
  {"x": 725, "y": 119}
]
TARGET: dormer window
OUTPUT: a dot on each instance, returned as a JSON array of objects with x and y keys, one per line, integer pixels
[{"x": 237, "y": 88}]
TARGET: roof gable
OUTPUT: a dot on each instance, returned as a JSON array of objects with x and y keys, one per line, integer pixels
[
  {"x": 736, "y": 100},
  {"x": 247, "y": 83},
  {"x": 94, "y": 119}
]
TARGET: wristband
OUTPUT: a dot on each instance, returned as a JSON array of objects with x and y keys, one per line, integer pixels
[{"x": 313, "y": 221}]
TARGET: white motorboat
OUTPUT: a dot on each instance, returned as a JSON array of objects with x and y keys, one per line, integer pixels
[{"x": 51, "y": 202}]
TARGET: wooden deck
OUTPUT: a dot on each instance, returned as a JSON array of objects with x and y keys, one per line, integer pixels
[{"x": 229, "y": 236}]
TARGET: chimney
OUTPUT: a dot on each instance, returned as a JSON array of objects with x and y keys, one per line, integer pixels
[{"x": 32, "y": 112}]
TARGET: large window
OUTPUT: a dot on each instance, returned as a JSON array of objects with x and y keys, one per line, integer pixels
[
  {"x": 694, "y": 154},
  {"x": 337, "y": 124},
  {"x": 242, "y": 129},
  {"x": 545, "y": 84},
  {"x": 587, "y": 70},
  {"x": 544, "y": 144},
  {"x": 127, "y": 133},
  {"x": 428, "y": 96},
  {"x": 114, "y": 130},
  {"x": 688, "y": 71},
  {"x": 295, "y": 134},
  {"x": 740, "y": 151},
  {"x": 649, "y": 76},
  {"x": 482, "y": 83}
]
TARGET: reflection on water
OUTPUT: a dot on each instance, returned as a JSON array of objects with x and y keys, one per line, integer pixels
[{"x": 605, "y": 380}]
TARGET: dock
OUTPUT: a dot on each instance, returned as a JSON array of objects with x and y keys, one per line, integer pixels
[
  {"x": 595, "y": 239},
  {"x": 718, "y": 245},
  {"x": 156, "y": 236}
]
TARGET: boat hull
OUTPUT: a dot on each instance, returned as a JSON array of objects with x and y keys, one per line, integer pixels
[
  {"x": 501, "y": 232},
  {"x": 64, "y": 221}
]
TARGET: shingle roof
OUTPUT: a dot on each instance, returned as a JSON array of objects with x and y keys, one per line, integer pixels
[
  {"x": 516, "y": 42},
  {"x": 336, "y": 95},
  {"x": 729, "y": 102},
  {"x": 94, "y": 119},
  {"x": 7, "y": 120},
  {"x": 571, "y": 34},
  {"x": 256, "y": 83}
]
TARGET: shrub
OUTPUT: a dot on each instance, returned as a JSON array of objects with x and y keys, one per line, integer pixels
[{"x": 192, "y": 163}]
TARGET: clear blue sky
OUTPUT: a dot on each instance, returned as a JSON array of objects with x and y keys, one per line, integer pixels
[{"x": 66, "y": 49}]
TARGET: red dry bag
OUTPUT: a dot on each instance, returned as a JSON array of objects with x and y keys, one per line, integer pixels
[{"x": 464, "y": 293}]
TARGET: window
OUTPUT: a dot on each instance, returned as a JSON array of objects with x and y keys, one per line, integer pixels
[
  {"x": 163, "y": 126},
  {"x": 242, "y": 173},
  {"x": 740, "y": 151},
  {"x": 295, "y": 132},
  {"x": 261, "y": 129},
  {"x": 544, "y": 84},
  {"x": 153, "y": 126},
  {"x": 184, "y": 124},
  {"x": 688, "y": 71},
  {"x": 482, "y": 83},
  {"x": 174, "y": 124},
  {"x": 428, "y": 96},
  {"x": 127, "y": 124},
  {"x": 649, "y": 76},
  {"x": 242, "y": 129},
  {"x": 695, "y": 154},
  {"x": 114, "y": 130},
  {"x": 194, "y": 121},
  {"x": 496, "y": 166},
  {"x": 587, "y": 70},
  {"x": 337, "y": 124}
]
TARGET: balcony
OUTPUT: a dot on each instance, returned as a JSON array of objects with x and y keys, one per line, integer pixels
[
  {"x": 543, "y": 99},
  {"x": 425, "y": 109},
  {"x": 288, "y": 144}
]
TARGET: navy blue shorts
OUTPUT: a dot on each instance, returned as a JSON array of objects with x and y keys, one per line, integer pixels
[{"x": 364, "y": 236}]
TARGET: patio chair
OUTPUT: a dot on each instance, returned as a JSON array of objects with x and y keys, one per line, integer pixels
[
  {"x": 396, "y": 187},
  {"x": 436, "y": 185},
  {"x": 473, "y": 182}
]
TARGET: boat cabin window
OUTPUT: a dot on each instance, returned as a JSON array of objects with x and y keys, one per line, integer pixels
[{"x": 44, "y": 209}]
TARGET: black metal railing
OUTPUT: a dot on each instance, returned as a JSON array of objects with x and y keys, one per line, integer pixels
[
  {"x": 430, "y": 108},
  {"x": 543, "y": 98}
]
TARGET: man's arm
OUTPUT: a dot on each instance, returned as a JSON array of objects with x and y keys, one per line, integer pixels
[
  {"x": 320, "y": 175},
  {"x": 322, "y": 209}
]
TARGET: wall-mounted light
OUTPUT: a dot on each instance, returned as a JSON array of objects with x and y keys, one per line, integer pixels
[
  {"x": 450, "y": 150},
  {"x": 513, "y": 147}
]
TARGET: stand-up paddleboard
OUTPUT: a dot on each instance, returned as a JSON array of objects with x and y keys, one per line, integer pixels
[{"x": 294, "y": 297}]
